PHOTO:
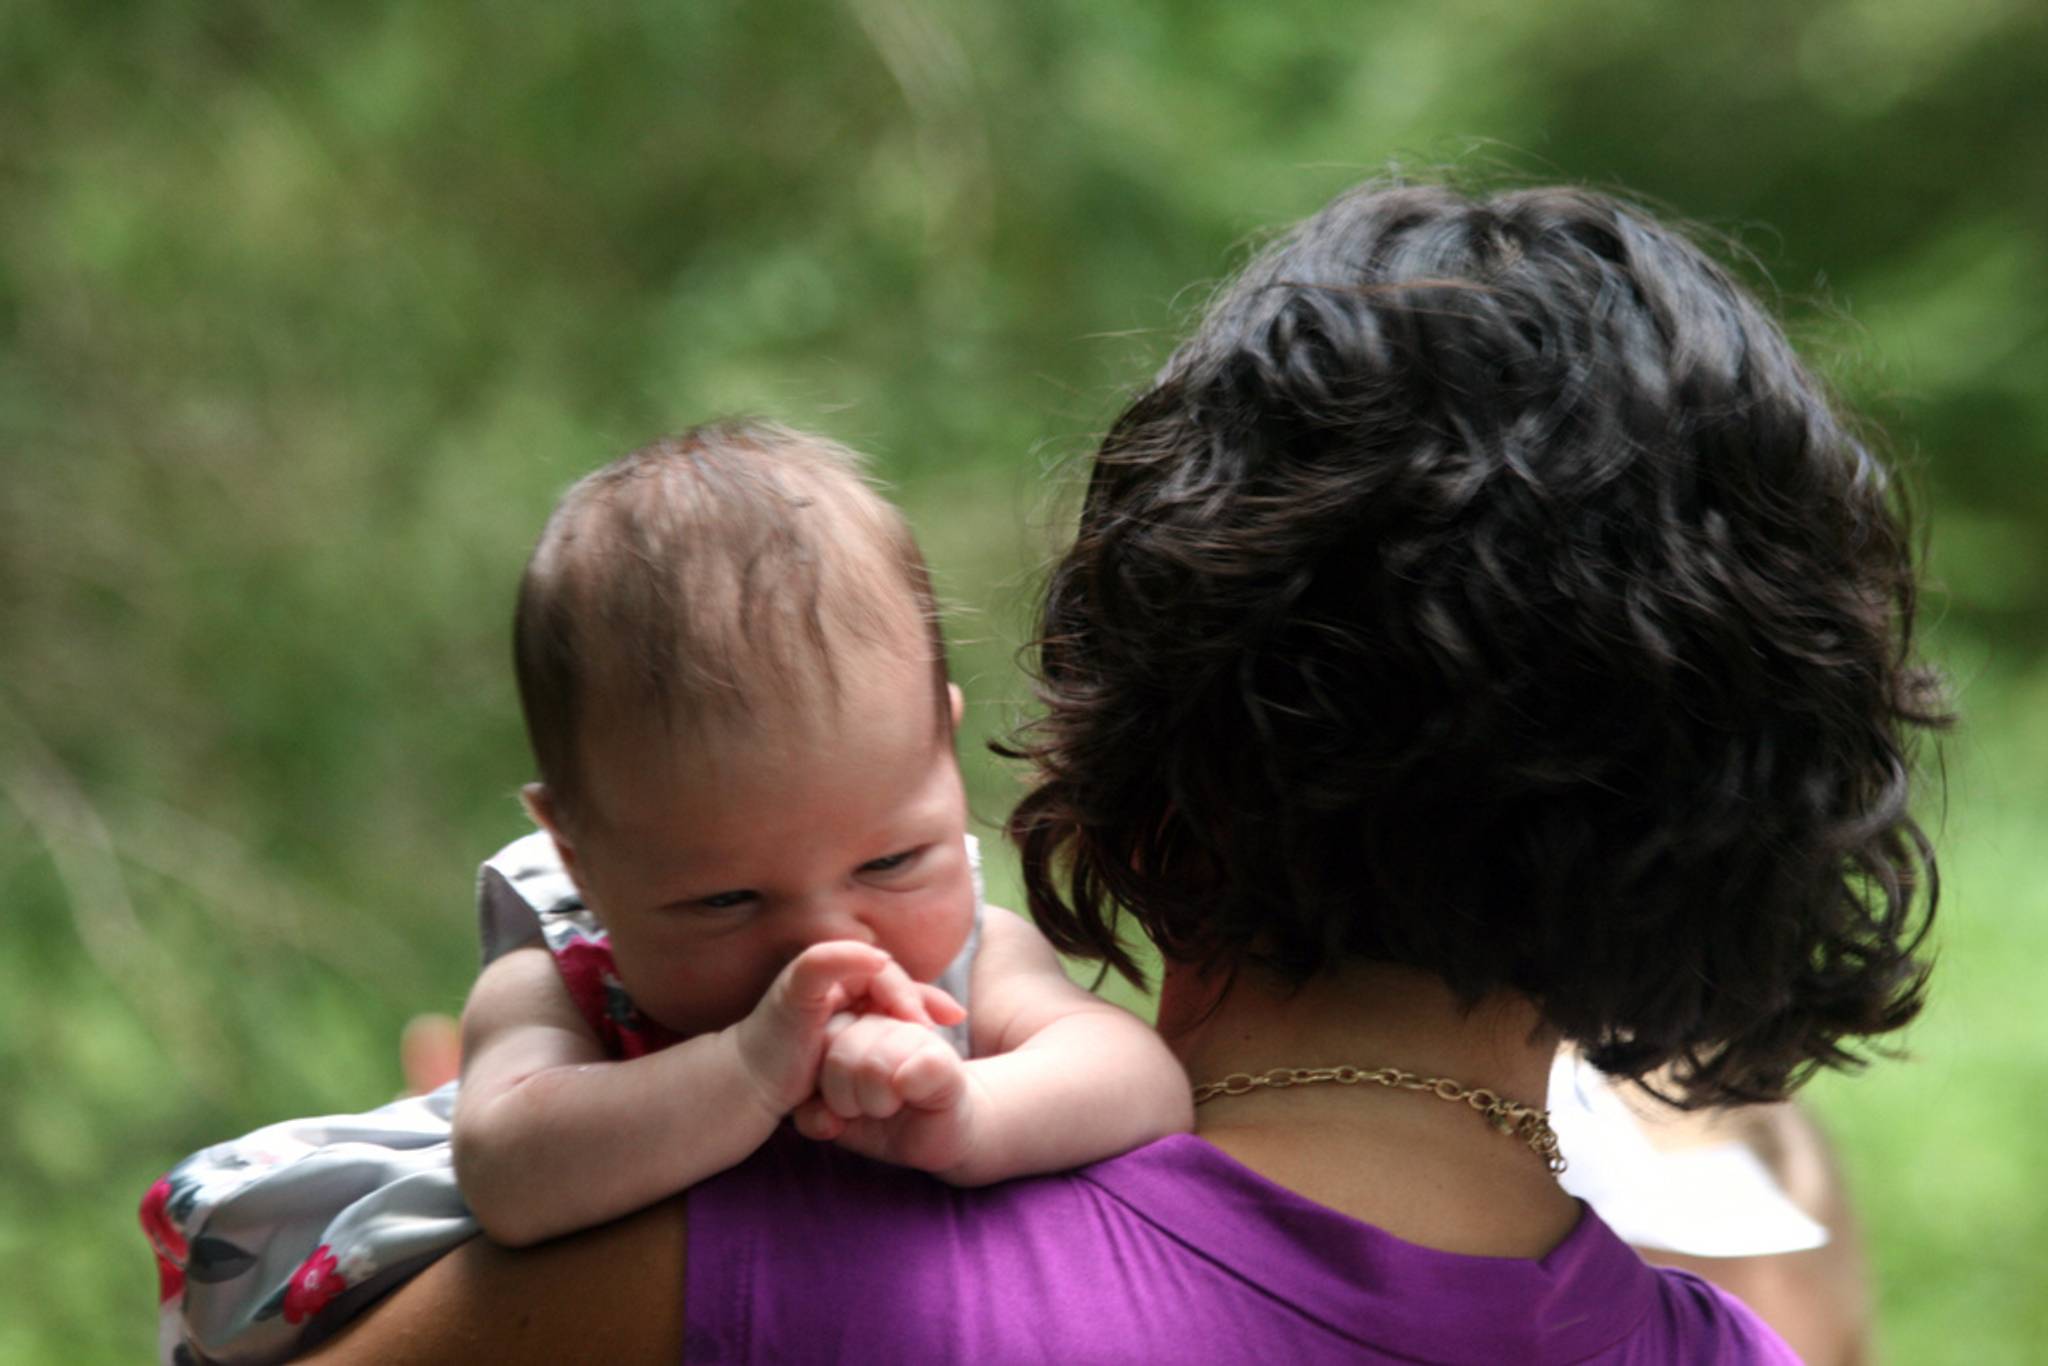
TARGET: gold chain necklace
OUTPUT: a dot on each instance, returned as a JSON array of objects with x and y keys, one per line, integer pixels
[{"x": 1525, "y": 1122}]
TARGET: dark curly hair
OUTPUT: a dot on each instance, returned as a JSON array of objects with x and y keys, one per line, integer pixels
[{"x": 1486, "y": 586}]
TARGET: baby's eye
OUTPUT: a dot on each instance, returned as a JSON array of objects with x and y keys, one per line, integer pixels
[
  {"x": 725, "y": 901},
  {"x": 888, "y": 862}
]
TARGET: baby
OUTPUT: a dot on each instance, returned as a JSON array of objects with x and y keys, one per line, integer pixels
[
  {"x": 732, "y": 675},
  {"x": 752, "y": 898}
]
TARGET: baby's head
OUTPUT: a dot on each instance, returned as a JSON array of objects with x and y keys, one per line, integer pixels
[{"x": 730, "y": 665}]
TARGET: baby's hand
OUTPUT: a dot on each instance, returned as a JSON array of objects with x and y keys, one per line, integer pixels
[
  {"x": 893, "y": 1090},
  {"x": 782, "y": 1040}
]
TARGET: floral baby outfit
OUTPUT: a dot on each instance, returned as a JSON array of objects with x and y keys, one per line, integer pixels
[{"x": 268, "y": 1243}]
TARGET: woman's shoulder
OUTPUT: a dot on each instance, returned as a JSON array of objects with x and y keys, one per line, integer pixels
[
  {"x": 1172, "y": 1246},
  {"x": 805, "y": 1253}
]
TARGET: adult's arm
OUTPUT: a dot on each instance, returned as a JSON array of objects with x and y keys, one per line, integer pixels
[
  {"x": 611, "y": 1294},
  {"x": 1820, "y": 1300}
]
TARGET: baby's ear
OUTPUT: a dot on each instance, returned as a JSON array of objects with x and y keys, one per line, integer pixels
[
  {"x": 954, "y": 700},
  {"x": 541, "y": 805}
]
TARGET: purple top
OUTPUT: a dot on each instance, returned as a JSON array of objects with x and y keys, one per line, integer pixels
[{"x": 1173, "y": 1252}]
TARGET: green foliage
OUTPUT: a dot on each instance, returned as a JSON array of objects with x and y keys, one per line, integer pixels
[{"x": 306, "y": 312}]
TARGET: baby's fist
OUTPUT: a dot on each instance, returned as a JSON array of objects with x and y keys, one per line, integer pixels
[
  {"x": 894, "y": 1091},
  {"x": 781, "y": 1041}
]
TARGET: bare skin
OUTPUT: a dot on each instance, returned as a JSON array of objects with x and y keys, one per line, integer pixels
[
  {"x": 611, "y": 1294},
  {"x": 1818, "y": 1300},
  {"x": 1426, "y": 1170},
  {"x": 1429, "y": 1173},
  {"x": 783, "y": 898}
]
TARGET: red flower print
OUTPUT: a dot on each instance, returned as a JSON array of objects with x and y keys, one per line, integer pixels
[
  {"x": 584, "y": 965},
  {"x": 170, "y": 1279},
  {"x": 163, "y": 1235},
  {"x": 312, "y": 1286}
]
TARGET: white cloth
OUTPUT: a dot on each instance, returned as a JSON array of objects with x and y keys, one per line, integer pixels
[{"x": 1717, "y": 1200}]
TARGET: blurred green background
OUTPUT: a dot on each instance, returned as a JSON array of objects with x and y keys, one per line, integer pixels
[{"x": 308, "y": 311}]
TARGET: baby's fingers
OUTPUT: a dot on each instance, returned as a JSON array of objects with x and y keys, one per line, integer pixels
[
  {"x": 781, "y": 1040},
  {"x": 892, "y": 992},
  {"x": 932, "y": 1078},
  {"x": 852, "y": 1076},
  {"x": 942, "y": 1008},
  {"x": 861, "y": 1075},
  {"x": 814, "y": 1119},
  {"x": 825, "y": 978}
]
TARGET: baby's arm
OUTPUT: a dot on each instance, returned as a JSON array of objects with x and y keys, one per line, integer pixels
[
  {"x": 552, "y": 1136},
  {"x": 1060, "y": 1077}
]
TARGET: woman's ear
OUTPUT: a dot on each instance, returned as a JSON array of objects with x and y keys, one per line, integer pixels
[
  {"x": 546, "y": 812},
  {"x": 955, "y": 701}
]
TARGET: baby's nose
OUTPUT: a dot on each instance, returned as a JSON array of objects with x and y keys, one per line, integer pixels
[{"x": 833, "y": 918}]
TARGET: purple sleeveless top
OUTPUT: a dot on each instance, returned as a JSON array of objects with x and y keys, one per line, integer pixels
[{"x": 1174, "y": 1252}]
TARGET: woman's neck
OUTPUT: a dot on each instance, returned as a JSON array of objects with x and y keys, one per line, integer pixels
[
  {"x": 1424, "y": 1169},
  {"x": 1353, "y": 1015}
]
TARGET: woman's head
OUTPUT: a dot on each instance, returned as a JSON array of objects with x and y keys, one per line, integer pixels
[{"x": 1486, "y": 586}]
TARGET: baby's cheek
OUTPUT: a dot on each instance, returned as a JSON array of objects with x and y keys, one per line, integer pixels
[
  {"x": 698, "y": 992},
  {"x": 947, "y": 922}
]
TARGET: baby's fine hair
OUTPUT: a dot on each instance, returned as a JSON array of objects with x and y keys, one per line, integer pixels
[
  {"x": 684, "y": 585},
  {"x": 1486, "y": 586}
]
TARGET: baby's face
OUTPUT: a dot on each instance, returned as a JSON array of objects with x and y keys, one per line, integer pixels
[{"x": 712, "y": 865}]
